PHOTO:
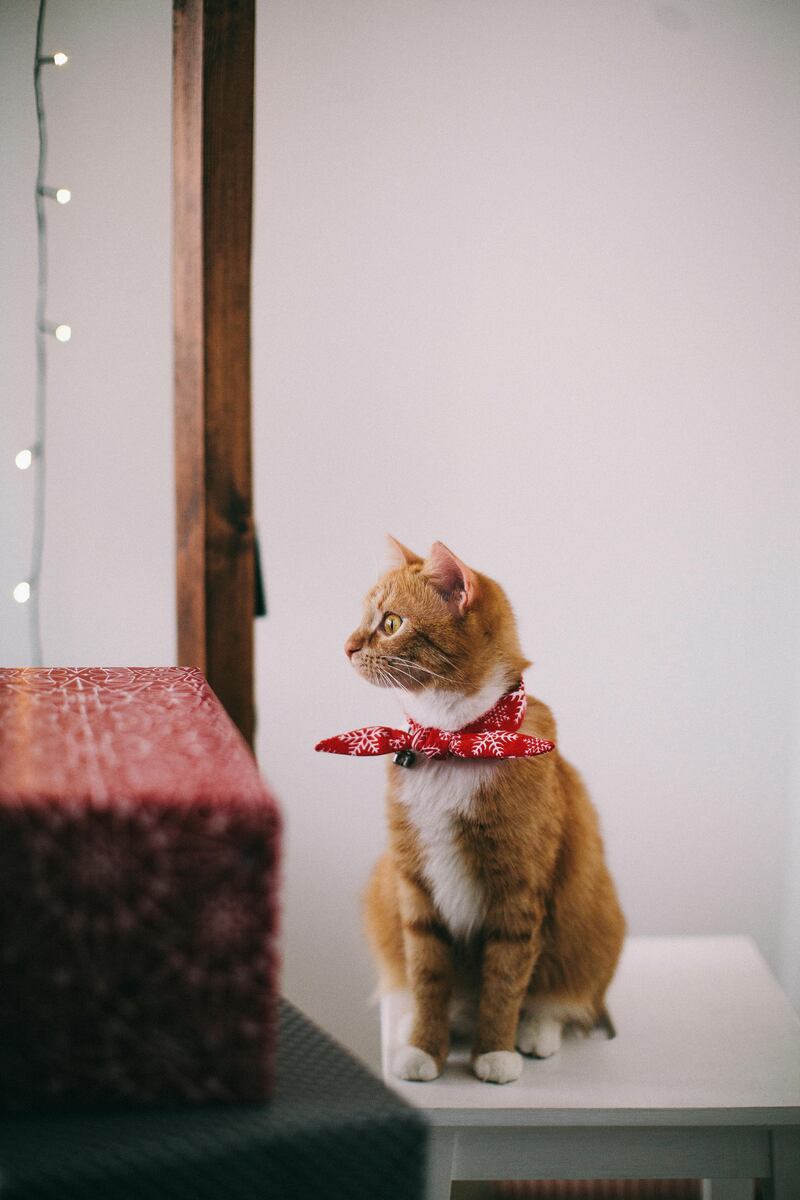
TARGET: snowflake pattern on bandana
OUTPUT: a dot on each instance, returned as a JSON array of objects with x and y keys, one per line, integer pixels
[
  {"x": 495, "y": 743},
  {"x": 493, "y": 735}
]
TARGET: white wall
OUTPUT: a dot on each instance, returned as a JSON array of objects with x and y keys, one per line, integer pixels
[
  {"x": 525, "y": 280},
  {"x": 108, "y": 575}
]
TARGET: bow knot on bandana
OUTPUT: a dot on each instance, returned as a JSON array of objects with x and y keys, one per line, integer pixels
[{"x": 493, "y": 735}]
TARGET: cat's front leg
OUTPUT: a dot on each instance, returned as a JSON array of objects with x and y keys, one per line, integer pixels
[
  {"x": 428, "y": 948},
  {"x": 511, "y": 943}
]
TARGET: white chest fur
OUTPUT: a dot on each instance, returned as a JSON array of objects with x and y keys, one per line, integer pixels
[{"x": 434, "y": 795}]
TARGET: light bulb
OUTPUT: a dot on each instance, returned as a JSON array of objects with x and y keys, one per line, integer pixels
[
  {"x": 24, "y": 459},
  {"x": 63, "y": 332},
  {"x": 62, "y": 195},
  {"x": 22, "y": 592},
  {"x": 60, "y": 58}
]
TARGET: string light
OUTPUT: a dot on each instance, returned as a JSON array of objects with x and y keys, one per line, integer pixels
[
  {"x": 60, "y": 332},
  {"x": 61, "y": 195},
  {"x": 27, "y": 590},
  {"x": 59, "y": 59}
]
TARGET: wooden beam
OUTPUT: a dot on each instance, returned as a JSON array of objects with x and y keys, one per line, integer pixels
[{"x": 213, "y": 59}]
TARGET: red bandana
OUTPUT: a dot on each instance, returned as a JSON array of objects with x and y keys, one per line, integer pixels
[{"x": 494, "y": 735}]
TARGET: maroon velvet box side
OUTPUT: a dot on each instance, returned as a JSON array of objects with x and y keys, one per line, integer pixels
[{"x": 137, "y": 923}]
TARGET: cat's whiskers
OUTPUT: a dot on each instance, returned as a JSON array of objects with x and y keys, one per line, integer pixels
[
  {"x": 392, "y": 671},
  {"x": 455, "y": 674},
  {"x": 386, "y": 677},
  {"x": 432, "y": 645},
  {"x": 414, "y": 666},
  {"x": 379, "y": 674}
]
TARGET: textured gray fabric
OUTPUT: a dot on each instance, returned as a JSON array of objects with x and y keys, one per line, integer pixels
[{"x": 331, "y": 1132}]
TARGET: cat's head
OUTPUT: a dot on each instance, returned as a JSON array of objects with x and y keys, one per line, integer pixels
[{"x": 435, "y": 624}]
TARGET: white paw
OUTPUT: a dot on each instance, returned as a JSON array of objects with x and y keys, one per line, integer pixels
[
  {"x": 539, "y": 1035},
  {"x": 498, "y": 1066},
  {"x": 412, "y": 1063}
]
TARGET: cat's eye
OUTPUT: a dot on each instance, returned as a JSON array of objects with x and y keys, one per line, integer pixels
[{"x": 391, "y": 623}]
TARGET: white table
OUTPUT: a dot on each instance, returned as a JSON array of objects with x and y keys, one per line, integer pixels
[{"x": 701, "y": 1081}]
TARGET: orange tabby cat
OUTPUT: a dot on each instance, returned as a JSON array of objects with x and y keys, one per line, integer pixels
[{"x": 494, "y": 884}]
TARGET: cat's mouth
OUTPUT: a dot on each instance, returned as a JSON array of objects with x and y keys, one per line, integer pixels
[{"x": 383, "y": 673}]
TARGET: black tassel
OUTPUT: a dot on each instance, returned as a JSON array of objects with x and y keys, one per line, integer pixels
[{"x": 260, "y": 594}]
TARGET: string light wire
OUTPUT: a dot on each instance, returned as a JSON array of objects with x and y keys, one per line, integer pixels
[{"x": 28, "y": 592}]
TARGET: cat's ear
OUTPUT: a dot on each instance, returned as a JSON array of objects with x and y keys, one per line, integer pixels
[
  {"x": 400, "y": 555},
  {"x": 454, "y": 580}
]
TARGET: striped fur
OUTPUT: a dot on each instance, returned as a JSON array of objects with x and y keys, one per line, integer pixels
[{"x": 494, "y": 884}]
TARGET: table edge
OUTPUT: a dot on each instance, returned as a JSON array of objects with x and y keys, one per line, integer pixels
[{"x": 708, "y": 1118}]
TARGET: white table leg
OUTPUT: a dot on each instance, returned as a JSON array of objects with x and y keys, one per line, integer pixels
[
  {"x": 728, "y": 1189},
  {"x": 441, "y": 1144},
  {"x": 785, "y": 1164}
]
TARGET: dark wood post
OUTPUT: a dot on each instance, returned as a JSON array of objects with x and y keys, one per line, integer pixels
[{"x": 213, "y": 57}]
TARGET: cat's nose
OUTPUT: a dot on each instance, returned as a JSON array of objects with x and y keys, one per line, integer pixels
[{"x": 352, "y": 644}]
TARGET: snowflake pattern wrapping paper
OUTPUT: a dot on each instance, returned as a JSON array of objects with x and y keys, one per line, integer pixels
[{"x": 138, "y": 858}]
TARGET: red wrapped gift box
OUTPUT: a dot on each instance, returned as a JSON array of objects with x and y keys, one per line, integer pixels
[{"x": 138, "y": 852}]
